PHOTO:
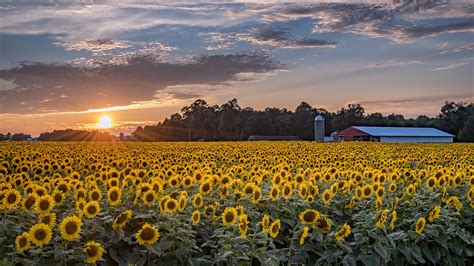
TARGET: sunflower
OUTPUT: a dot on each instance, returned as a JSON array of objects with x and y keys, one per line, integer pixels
[
  {"x": 70, "y": 227},
  {"x": 431, "y": 183},
  {"x": 265, "y": 223},
  {"x": 93, "y": 251},
  {"x": 257, "y": 195},
  {"x": 420, "y": 225},
  {"x": 380, "y": 193},
  {"x": 275, "y": 228},
  {"x": 45, "y": 204},
  {"x": 393, "y": 186},
  {"x": 343, "y": 232},
  {"x": 197, "y": 201},
  {"x": 114, "y": 195},
  {"x": 249, "y": 189},
  {"x": 49, "y": 219},
  {"x": 91, "y": 209},
  {"x": 11, "y": 198},
  {"x": 121, "y": 219},
  {"x": 382, "y": 219},
  {"x": 23, "y": 242},
  {"x": 304, "y": 234},
  {"x": 309, "y": 216},
  {"x": 454, "y": 201},
  {"x": 80, "y": 207},
  {"x": 359, "y": 193},
  {"x": 323, "y": 224},
  {"x": 274, "y": 193},
  {"x": 367, "y": 191},
  {"x": 148, "y": 235},
  {"x": 58, "y": 197},
  {"x": 303, "y": 190},
  {"x": 195, "y": 217},
  {"x": 205, "y": 188},
  {"x": 287, "y": 191},
  {"x": 243, "y": 225},
  {"x": 40, "y": 234},
  {"x": 149, "y": 197},
  {"x": 229, "y": 216},
  {"x": 393, "y": 220},
  {"x": 29, "y": 202},
  {"x": 434, "y": 213},
  {"x": 183, "y": 200},
  {"x": 327, "y": 196},
  {"x": 171, "y": 205}
]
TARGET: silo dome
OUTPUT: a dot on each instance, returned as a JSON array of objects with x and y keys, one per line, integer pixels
[{"x": 319, "y": 118}]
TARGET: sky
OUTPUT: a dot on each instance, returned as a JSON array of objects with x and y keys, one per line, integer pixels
[{"x": 66, "y": 64}]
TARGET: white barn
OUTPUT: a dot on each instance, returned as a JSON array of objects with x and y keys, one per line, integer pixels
[{"x": 394, "y": 134}]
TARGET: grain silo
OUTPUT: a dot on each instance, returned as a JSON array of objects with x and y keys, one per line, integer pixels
[{"x": 319, "y": 128}]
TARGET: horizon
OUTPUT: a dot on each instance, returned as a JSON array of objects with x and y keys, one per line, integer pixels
[
  {"x": 116, "y": 132},
  {"x": 71, "y": 65}
]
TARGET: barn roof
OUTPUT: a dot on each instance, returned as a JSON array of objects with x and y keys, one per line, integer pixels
[{"x": 403, "y": 131}]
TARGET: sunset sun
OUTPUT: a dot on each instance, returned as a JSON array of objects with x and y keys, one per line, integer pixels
[{"x": 104, "y": 122}]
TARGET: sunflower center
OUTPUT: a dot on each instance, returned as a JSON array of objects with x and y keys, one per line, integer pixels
[
  {"x": 171, "y": 205},
  {"x": 95, "y": 196},
  {"x": 229, "y": 217},
  {"x": 274, "y": 229},
  {"x": 30, "y": 202},
  {"x": 121, "y": 218},
  {"x": 114, "y": 195},
  {"x": 147, "y": 234},
  {"x": 71, "y": 227},
  {"x": 367, "y": 191},
  {"x": 23, "y": 242},
  {"x": 322, "y": 223},
  {"x": 11, "y": 198},
  {"x": 92, "y": 209},
  {"x": 46, "y": 219},
  {"x": 149, "y": 197},
  {"x": 58, "y": 197},
  {"x": 309, "y": 216},
  {"x": 40, "y": 234},
  {"x": 44, "y": 205},
  {"x": 92, "y": 251}
]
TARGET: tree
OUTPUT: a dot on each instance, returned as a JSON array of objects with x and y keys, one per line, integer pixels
[
  {"x": 467, "y": 132},
  {"x": 304, "y": 121}
]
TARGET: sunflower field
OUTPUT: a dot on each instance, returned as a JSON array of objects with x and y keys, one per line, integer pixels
[{"x": 236, "y": 203}]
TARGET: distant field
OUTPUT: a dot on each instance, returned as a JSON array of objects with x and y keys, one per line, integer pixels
[{"x": 259, "y": 203}]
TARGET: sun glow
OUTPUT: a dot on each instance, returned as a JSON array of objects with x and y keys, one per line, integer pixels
[{"x": 104, "y": 122}]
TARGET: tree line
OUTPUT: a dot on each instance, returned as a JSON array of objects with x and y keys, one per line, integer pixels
[
  {"x": 230, "y": 122},
  {"x": 201, "y": 121}
]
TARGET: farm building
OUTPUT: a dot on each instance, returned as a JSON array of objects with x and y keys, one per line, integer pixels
[
  {"x": 272, "y": 138},
  {"x": 393, "y": 134}
]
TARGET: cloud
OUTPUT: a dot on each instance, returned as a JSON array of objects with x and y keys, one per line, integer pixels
[
  {"x": 452, "y": 66},
  {"x": 394, "y": 63},
  {"x": 43, "y": 88},
  {"x": 401, "y": 21},
  {"x": 95, "y": 45},
  {"x": 279, "y": 38},
  {"x": 454, "y": 50}
]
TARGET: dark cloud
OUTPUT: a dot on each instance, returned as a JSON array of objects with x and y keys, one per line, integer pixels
[
  {"x": 281, "y": 38},
  {"x": 55, "y": 88},
  {"x": 401, "y": 21}
]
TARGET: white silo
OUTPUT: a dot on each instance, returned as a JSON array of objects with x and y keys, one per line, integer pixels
[{"x": 319, "y": 128}]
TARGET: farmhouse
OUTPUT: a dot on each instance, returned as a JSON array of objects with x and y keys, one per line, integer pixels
[{"x": 393, "y": 134}]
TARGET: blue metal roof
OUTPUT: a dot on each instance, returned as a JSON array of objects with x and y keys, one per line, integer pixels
[{"x": 403, "y": 131}]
